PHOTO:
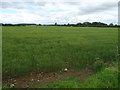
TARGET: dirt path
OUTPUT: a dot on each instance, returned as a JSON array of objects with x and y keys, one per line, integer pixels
[{"x": 44, "y": 78}]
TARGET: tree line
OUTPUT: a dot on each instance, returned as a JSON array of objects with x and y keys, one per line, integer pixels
[
  {"x": 21, "y": 24},
  {"x": 84, "y": 24},
  {"x": 89, "y": 24}
]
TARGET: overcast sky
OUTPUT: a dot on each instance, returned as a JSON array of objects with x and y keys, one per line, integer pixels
[{"x": 60, "y": 11}]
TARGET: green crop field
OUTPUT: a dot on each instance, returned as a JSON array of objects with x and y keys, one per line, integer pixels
[{"x": 48, "y": 48}]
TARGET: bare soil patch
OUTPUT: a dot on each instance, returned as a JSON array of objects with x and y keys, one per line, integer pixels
[{"x": 34, "y": 78}]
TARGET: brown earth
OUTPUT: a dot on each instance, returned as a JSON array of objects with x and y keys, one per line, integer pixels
[{"x": 33, "y": 79}]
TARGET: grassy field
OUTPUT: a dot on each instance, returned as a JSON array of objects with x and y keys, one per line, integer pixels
[
  {"x": 52, "y": 48},
  {"x": 107, "y": 78}
]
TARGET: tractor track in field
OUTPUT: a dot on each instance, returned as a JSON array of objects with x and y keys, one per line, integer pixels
[{"x": 33, "y": 78}]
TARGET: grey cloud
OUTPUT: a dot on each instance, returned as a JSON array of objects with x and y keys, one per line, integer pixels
[
  {"x": 4, "y": 4},
  {"x": 40, "y": 3},
  {"x": 20, "y": 5},
  {"x": 12, "y": 5},
  {"x": 72, "y": 3},
  {"x": 97, "y": 8}
]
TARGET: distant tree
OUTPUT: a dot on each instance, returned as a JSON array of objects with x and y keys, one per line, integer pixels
[
  {"x": 99, "y": 24},
  {"x": 111, "y": 24},
  {"x": 87, "y": 24},
  {"x": 116, "y": 25},
  {"x": 68, "y": 24},
  {"x": 95, "y": 24},
  {"x": 56, "y": 24},
  {"x": 79, "y": 24},
  {"x": 64, "y": 25}
]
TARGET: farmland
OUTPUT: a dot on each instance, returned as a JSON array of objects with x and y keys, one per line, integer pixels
[{"x": 53, "y": 48}]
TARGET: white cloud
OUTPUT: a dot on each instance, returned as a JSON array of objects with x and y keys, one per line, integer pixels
[{"x": 60, "y": 11}]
